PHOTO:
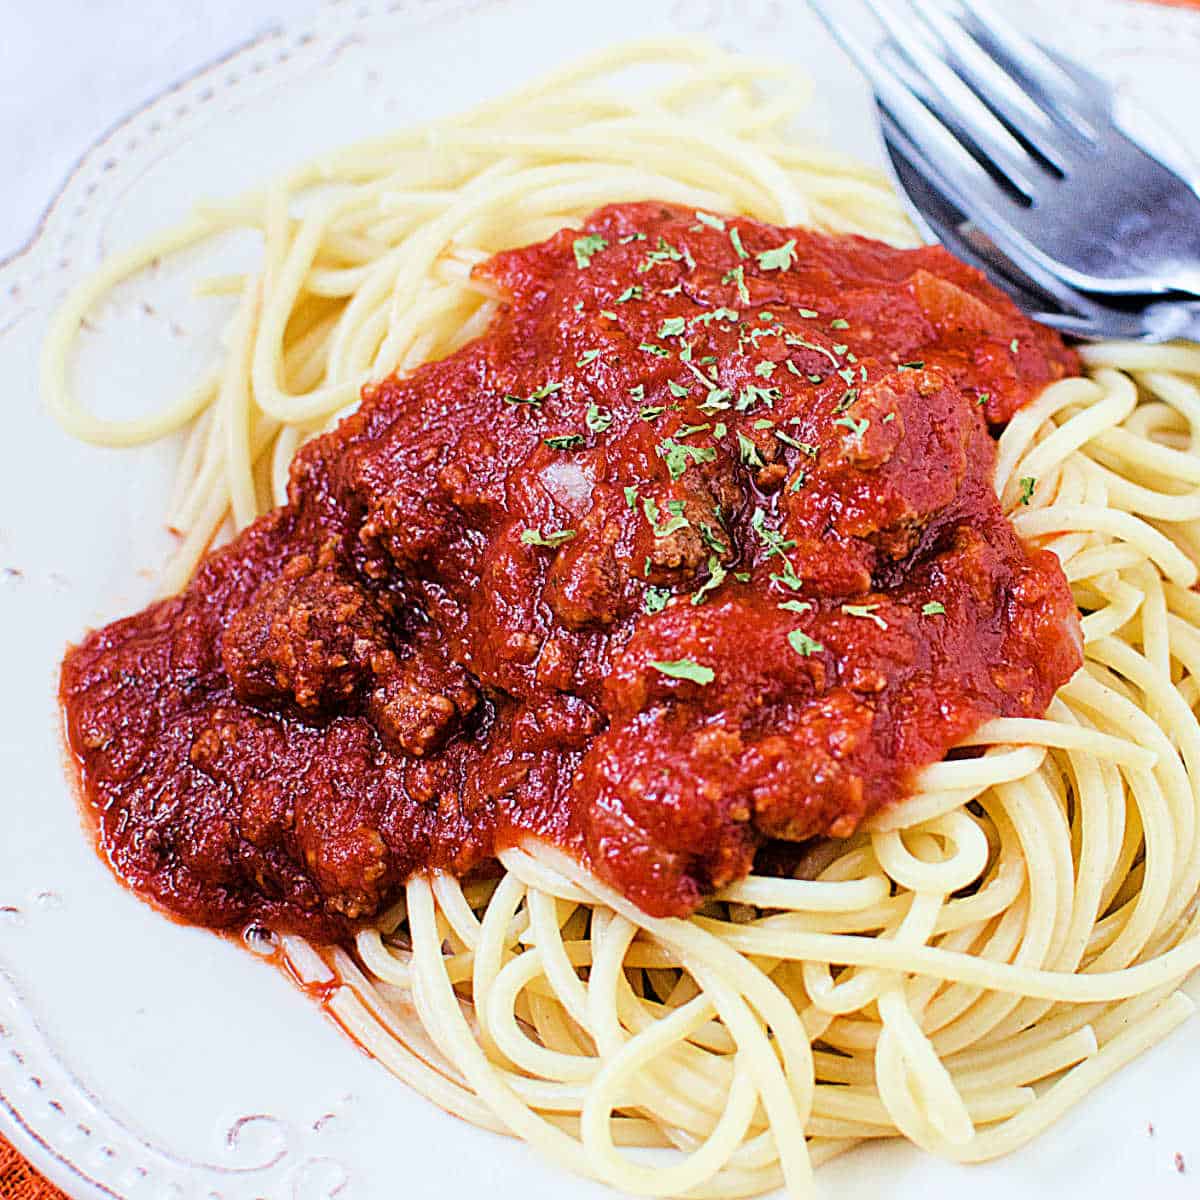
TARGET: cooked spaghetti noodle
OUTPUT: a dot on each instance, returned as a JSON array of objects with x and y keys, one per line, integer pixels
[{"x": 961, "y": 970}]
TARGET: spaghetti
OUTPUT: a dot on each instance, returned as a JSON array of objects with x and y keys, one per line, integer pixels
[{"x": 958, "y": 972}]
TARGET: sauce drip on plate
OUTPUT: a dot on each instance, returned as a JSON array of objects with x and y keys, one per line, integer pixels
[{"x": 695, "y": 549}]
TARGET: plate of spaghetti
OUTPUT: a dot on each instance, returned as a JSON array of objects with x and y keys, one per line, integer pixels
[{"x": 628, "y": 648}]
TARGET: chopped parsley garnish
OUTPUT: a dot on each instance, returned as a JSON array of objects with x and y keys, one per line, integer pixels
[
  {"x": 764, "y": 423},
  {"x": 710, "y": 538},
  {"x": 748, "y": 452},
  {"x": 716, "y": 577},
  {"x": 598, "y": 419},
  {"x": 679, "y": 457},
  {"x": 839, "y": 323},
  {"x": 983, "y": 398},
  {"x": 664, "y": 253},
  {"x": 738, "y": 275},
  {"x": 717, "y": 314},
  {"x": 807, "y": 313},
  {"x": 848, "y": 398},
  {"x": 566, "y": 441},
  {"x": 632, "y": 292},
  {"x": 779, "y": 259},
  {"x": 678, "y": 390},
  {"x": 841, "y": 348},
  {"x": 587, "y": 246},
  {"x": 657, "y": 351},
  {"x": 765, "y": 369},
  {"x": 632, "y": 237},
  {"x": 684, "y": 668},
  {"x": 889, "y": 418},
  {"x": 672, "y": 327},
  {"x": 588, "y": 356},
  {"x": 608, "y": 314},
  {"x": 788, "y": 440},
  {"x": 933, "y": 609},
  {"x": 687, "y": 430},
  {"x": 857, "y": 426},
  {"x": 735, "y": 238},
  {"x": 720, "y": 430},
  {"x": 751, "y": 394},
  {"x": 535, "y": 537},
  {"x": 794, "y": 340},
  {"x": 717, "y": 399},
  {"x": 1014, "y": 345},
  {"x": 1028, "y": 483},
  {"x": 676, "y": 522},
  {"x": 866, "y": 611},
  {"x": 711, "y": 221},
  {"x": 916, "y": 365},
  {"x": 651, "y": 412},
  {"x": 535, "y": 398},
  {"x": 656, "y": 599},
  {"x": 796, "y": 606},
  {"x": 631, "y": 495},
  {"x": 803, "y": 644},
  {"x": 637, "y": 392}
]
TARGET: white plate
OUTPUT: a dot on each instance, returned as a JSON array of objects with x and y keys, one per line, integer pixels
[{"x": 142, "y": 1059}]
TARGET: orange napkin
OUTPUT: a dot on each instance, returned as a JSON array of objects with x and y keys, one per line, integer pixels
[{"x": 19, "y": 1181}]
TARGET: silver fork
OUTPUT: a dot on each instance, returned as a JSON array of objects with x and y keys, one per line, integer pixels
[
  {"x": 1064, "y": 177},
  {"x": 1045, "y": 298}
]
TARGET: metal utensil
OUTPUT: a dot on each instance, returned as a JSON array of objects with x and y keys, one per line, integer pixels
[
  {"x": 1045, "y": 298},
  {"x": 1065, "y": 178}
]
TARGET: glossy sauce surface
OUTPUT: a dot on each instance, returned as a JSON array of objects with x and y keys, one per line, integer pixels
[{"x": 695, "y": 549}]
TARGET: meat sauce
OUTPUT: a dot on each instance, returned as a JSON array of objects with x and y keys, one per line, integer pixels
[{"x": 697, "y": 548}]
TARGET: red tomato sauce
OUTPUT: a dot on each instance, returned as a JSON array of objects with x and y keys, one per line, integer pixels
[{"x": 696, "y": 549}]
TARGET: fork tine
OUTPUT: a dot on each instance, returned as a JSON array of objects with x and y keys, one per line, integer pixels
[
  {"x": 997, "y": 89},
  {"x": 994, "y": 57},
  {"x": 952, "y": 101}
]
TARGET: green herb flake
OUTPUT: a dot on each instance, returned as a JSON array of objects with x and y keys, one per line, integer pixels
[
  {"x": 535, "y": 398},
  {"x": 803, "y": 644},
  {"x": 982, "y": 398},
  {"x": 672, "y": 327},
  {"x": 866, "y": 611},
  {"x": 807, "y": 313},
  {"x": 857, "y": 427},
  {"x": 631, "y": 495},
  {"x": 588, "y": 356},
  {"x": 711, "y": 221},
  {"x": 665, "y": 252},
  {"x": 687, "y": 430},
  {"x": 748, "y": 452},
  {"x": 535, "y": 537},
  {"x": 679, "y": 457},
  {"x": 716, "y": 577},
  {"x": 933, "y": 609},
  {"x": 586, "y": 247},
  {"x": 651, "y": 412},
  {"x": 608, "y": 314},
  {"x": 735, "y": 238},
  {"x": 738, "y": 276},
  {"x": 765, "y": 369},
  {"x": 566, "y": 441},
  {"x": 889, "y": 418},
  {"x": 1028, "y": 483},
  {"x": 657, "y": 351},
  {"x": 598, "y": 419},
  {"x": 678, "y": 390},
  {"x": 916, "y": 365},
  {"x": 1014, "y": 345},
  {"x": 656, "y": 599},
  {"x": 717, "y": 314},
  {"x": 684, "y": 668},
  {"x": 839, "y": 323},
  {"x": 632, "y": 292},
  {"x": 720, "y": 429},
  {"x": 796, "y": 606},
  {"x": 632, "y": 237},
  {"x": 779, "y": 259}
]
